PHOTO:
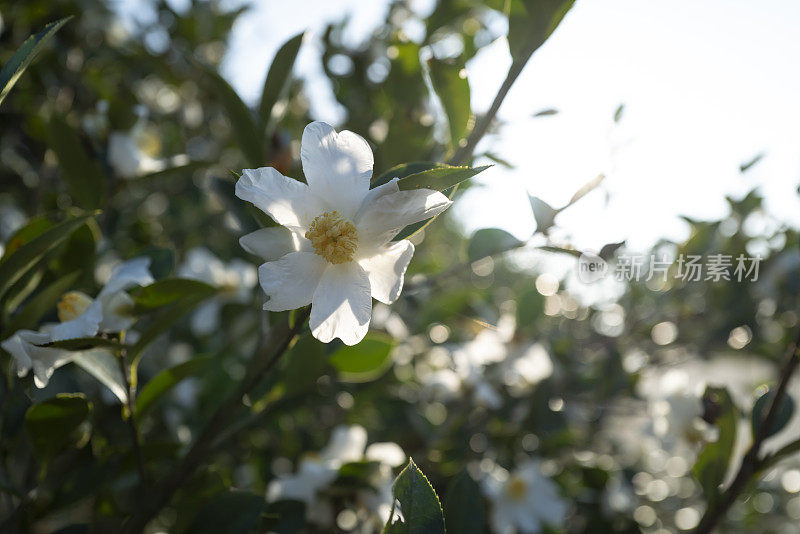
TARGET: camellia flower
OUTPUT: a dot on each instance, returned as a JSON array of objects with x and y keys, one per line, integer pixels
[
  {"x": 317, "y": 471},
  {"x": 524, "y": 500},
  {"x": 126, "y": 155},
  {"x": 235, "y": 280},
  {"x": 335, "y": 251},
  {"x": 80, "y": 316}
]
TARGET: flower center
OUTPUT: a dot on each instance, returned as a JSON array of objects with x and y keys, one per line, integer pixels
[
  {"x": 517, "y": 488},
  {"x": 333, "y": 238},
  {"x": 72, "y": 305}
]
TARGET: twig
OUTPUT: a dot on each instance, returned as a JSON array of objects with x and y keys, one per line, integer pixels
[
  {"x": 751, "y": 463},
  {"x": 263, "y": 362},
  {"x": 130, "y": 395}
]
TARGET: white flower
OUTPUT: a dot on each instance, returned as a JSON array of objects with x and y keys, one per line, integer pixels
[
  {"x": 524, "y": 500},
  {"x": 335, "y": 250},
  {"x": 81, "y": 316},
  {"x": 316, "y": 472},
  {"x": 235, "y": 280},
  {"x": 125, "y": 153}
]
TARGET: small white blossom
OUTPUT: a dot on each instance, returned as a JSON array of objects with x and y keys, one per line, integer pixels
[
  {"x": 125, "y": 153},
  {"x": 335, "y": 249},
  {"x": 235, "y": 280},
  {"x": 524, "y": 500}
]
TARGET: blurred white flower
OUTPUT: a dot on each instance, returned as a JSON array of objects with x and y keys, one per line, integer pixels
[
  {"x": 334, "y": 250},
  {"x": 81, "y": 316},
  {"x": 524, "y": 500},
  {"x": 126, "y": 153},
  {"x": 317, "y": 471},
  {"x": 235, "y": 280}
]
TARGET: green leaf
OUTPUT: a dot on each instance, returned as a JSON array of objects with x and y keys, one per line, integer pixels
[
  {"x": 585, "y": 189},
  {"x": 366, "y": 361},
  {"x": 491, "y": 241},
  {"x": 747, "y": 165},
  {"x": 404, "y": 169},
  {"x": 531, "y": 22},
  {"x": 167, "y": 291},
  {"x": 785, "y": 413},
  {"x": 23, "y": 57},
  {"x": 52, "y": 424},
  {"x": 34, "y": 228},
  {"x": 85, "y": 343},
  {"x": 249, "y": 137},
  {"x": 41, "y": 304},
  {"x": 543, "y": 213},
  {"x": 714, "y": 459},
  {"x": 279, "y": 76},
  {"x": 83, "y": 176},
  {"x": 304, "y": 364},
  {"x": 234, "y": 512},
  {"x": 618, "y": 112},
  {"x": 172, "y": 173},
  {"x": 440, "y": 178},
  {"x": 549, "y": 112},
  {"x": 450, "y": 82},
  {"x": 418, "y": 502},
  {"x": 104, "y": 366},
  {"x": 167, "y": 379},
  {"x": 15, "y": 265},
  {"x": 464, "y": 509}
]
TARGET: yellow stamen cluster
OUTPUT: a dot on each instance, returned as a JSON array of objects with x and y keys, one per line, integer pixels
[
  {"x": 333, "y": 238},
  {"x": 516, "y": 488},
  {"x": 72, "y": 305}
]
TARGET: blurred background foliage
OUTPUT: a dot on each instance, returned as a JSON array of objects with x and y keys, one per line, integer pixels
[{"x": 484, "y": 361}]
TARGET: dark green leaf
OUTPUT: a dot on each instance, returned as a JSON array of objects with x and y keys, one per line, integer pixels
[
  {"x": 543, "y": 213},
  {"x": 746, "y": 166},
  {"x": 618, "y": 113},
  {"x": 365, "y": 361},
  {"x": 549, "y": 112},
  {"x": 164, "y": 292},
  {"x": 279, "y": 76},
  {"x": 235, "y": 512},
  {"x": 419, "y": 504},
  {"x": 491, "y": 241},
  {"x": 83, "y": 176},
  {"x": 23, "y": 57},
  {"x": 304, "y": 364},
  {"x": 441, "y": 178},
  {"x": 167, "y": 379},
  {"x": 785, "y": 412},
  {"x": 25, "y": 257},
  {"x": 403, "y": 170},
  {"x": 714, "y": 459},
  {"x": 450, "y": 82},
  {"x": 85, "y": 343},
  {"x": 52, "y": 424},
  {"x": 464, "y": 509}
]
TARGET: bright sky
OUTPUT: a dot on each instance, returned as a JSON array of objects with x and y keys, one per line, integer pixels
[{"x": 706, "y": 86}]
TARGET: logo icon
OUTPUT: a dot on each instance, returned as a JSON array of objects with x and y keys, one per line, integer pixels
[{"x": 591, "y": 268}]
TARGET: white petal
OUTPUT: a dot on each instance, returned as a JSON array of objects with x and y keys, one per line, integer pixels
[
  {"x": 273, "y": 243},
  {"x": 385, "y": 217},
  {"x": 85, "y": 325},
  {"x": 386, "y": 270},
  {"x": 289, "y": 202},
  {"x": 19, "y": 346},
  {"x": 346, "y": 445},
  {"x": 342, "y": 305},
  {"x": 117, "y": 309},
  {"x": 290, "y": 282},
  {"x": 387, "y": 453},
  {"x": 201, "y": 264},
  {"x": 338, "y": 167},
  {"x": 376, "y": 193},
  {"x": 135, "y": 272}
]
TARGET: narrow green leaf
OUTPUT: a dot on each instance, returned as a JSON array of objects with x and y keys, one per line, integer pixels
[
  {"x": 366, "y": 361},
  {"x": 14, "y": 266},
  {"x": 713, "y": 461},
  {"x": 167, "y": 291},
  {"x": 83, "y": 176},
  {"x": 85, "y": 343},
  {"x": 404, "y": 169},
  {"x": 51, "y": 425},
  {"x": 618, "y": 112},
  {"x": 419, "y": 504},
  {"x": 531, "y": 22},
  {"x": 747, "y": 165},
  {"x": 491, "y": 241},
  {"x": 249, "y": 137},
  {"x": 450, "y": 82},
  {"x": 41, "y": 304},
  {"x": 464, "y": 509},
  {"x": 167, "y": 379},
  {"x": 34, "y": 228},
  {"x": 549, "y": 112},
  {"x": 279, "y": 76},
  {"x": 441, "y": 178},
  {"x": 785, "y": 412},
  {"x": 23, "y": 57},
  {"x": 585, "y": 189}
]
